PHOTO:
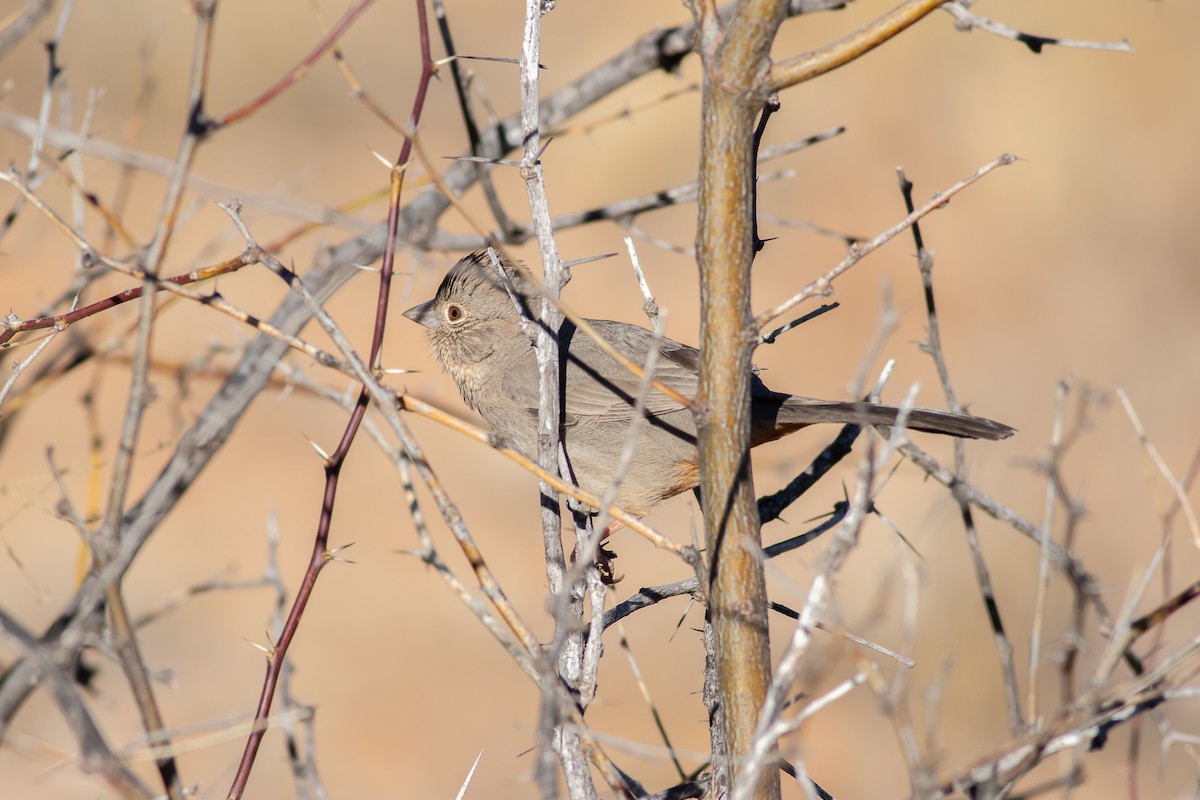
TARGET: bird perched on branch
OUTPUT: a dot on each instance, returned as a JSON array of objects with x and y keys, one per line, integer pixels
[{"x": 475, "y": 331}]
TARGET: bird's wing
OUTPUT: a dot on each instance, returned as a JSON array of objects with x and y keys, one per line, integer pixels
[{"x": 597, "y": 386}]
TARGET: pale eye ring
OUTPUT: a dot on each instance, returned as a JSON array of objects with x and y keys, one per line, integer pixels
[{"x": 454, "y": 312}]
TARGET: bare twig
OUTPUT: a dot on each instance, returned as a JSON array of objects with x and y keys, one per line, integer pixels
[
  {"x": 213, "y": 300},
  {"x": 566, "y": 590},
  {"x": 1039, "y": 606},
  {"x": 20, "y": 24},
  {"x": 792, "y": 71},
  {"x": 157, "y": 165},
  {"x": 360, "y": 93},
  {"x": 300, "y": 70},
  {"x": 320, "y": 551},
  {"x": 648, "y": 305},
  {"x": 966, "y": 20},
  {"x": 933, "y": 345},
  {"x": 110, "y": 532},
  {"x": 1181, "y": 497},
  {"x": 23, "y": 365},
  {"x": 94, "y": 751},
  {"x": 823, "y": 286},
  {"x": 483, "y": 175}
]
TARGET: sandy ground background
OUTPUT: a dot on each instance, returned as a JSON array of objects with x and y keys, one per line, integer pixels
[{"x": 1081, "y": 261}]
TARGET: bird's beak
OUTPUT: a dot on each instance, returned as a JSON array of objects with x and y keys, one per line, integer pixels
[{"x": 423, "y": 314}]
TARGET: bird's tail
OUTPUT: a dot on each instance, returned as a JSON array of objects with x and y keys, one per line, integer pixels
[{"x": 773, "y": 421}]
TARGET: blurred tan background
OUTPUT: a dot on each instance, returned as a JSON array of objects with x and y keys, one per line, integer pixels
[{"x": 1079, "y": 261}]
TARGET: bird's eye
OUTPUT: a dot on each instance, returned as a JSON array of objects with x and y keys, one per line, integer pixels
[{"x": 454, "y": 312}]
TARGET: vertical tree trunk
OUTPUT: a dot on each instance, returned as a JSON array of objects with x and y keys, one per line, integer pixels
[{"x": 734, "y": 68}]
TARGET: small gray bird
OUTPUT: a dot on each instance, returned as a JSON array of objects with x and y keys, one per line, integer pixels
[{"x": 475, "y": 333}]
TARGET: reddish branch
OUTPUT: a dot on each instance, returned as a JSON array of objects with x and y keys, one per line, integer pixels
[
  {"x": 320, "y": 552},
  {"x": 301, "y": 69}
]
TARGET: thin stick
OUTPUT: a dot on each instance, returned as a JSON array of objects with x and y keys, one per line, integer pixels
[
  {"x": 807, "y": 66},
  {"x": 1181, "y": 497},
  {"x": 301, "y": 69},
  {"x": 823, "y": 286},
  {"x": 933, "y": 345},
  {"x": 966, "y": 20},
  {"x": 21, "y": 366},
  {"x": 1043, "y": 586},
  {"x": 648, "y": 303}
]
